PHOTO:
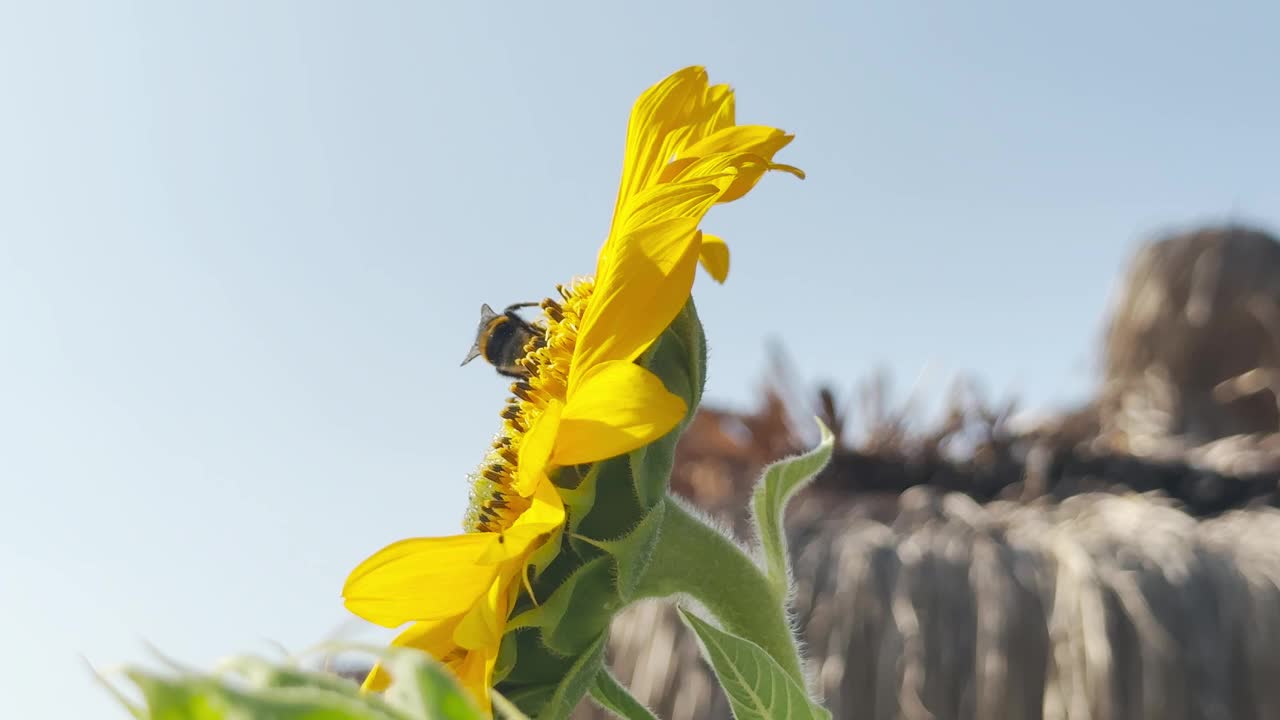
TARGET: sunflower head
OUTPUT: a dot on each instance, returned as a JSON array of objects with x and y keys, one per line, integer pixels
[
  {"x": 602, "y": 380},
  {"x": 497, "y": 496}
]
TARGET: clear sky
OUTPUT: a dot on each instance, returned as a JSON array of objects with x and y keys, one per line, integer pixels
[{"x": 243, "y": 246}]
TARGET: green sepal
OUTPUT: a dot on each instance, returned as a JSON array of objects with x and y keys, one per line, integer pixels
[
  {"x": 615, "y": 506},
  {"x": 564, "y": 682},
  {"x": 575, "y": 684},
  {"x": 530, "y": 699},
  {"x": 651, "y": 468},
  {"x": 578, "y": 611},
  {"x": 769, "y": 500},
  {"x": 756, "y": 685},
  {"x": 538, "y": 665},
  {"x": 580, "y": 495},
  {"x": 631, "y": 553},
  {"x": 508, "y": 653},
  {"x": 609, "y": 694},
  {"x": 679, "y": 358},
  {"x": 544, "y": 556}
]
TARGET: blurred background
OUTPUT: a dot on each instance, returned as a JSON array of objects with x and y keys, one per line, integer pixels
[{"x": 243, "y": 248}]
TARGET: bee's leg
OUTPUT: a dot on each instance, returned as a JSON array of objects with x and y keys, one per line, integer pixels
[
  {"x": 512, "y": 308},
  {"x": 512, "y": 371},
  {"x": 514, "y": 317}
]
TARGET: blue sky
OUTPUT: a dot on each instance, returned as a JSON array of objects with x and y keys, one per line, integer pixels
[{"x": 243, "y": 246}]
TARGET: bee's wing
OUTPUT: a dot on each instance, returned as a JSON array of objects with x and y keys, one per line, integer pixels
[
  {"x": 473, "y": 354},
  {"x": 486, "y": 315}
]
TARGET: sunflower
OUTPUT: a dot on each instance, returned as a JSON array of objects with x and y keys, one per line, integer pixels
[{"x": 584, "y": 399}]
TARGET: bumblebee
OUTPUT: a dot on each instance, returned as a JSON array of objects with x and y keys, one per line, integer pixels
[{"x": 501, "y": 338}]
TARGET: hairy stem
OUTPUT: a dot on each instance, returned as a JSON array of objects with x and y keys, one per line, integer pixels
[{"x": 694, "y": 558}]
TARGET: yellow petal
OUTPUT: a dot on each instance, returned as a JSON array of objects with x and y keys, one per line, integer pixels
[
  {"x": 482, "y": 628},
  {"x": 691, "y": 199},
  {"x": 660, "y": 122},
  {"x": 618, "y": 407},
  {"x": 421, "y": 579},
  {"x": 719, "y": 112},
  {"x": 535, "y": 449},
  {"x": 744, "y": 169},
  {"x": 433, "y": 638},
  {"x": 474, "y": 669},
  {"x": 639, "y": 290},
  {"x": 545, "y": 516},
  {"x": 714, "y": 257},
  {"x": 475, "y": 673},
  {"x": 542, "y": 519},
  {"x": 755, "y": 139},
  {"x": 546, "y": 512}
]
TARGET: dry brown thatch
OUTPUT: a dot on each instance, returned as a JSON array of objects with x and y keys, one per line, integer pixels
[
  {"x": 1020, "y": 576},
  {"x": 1102, "y": 606},
  {"x": 1193, "y": 347}
]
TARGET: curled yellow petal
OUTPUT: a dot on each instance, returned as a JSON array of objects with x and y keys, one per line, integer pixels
[
  {"x": 474, "y": 669},
  {"x": 758, "y": 140},
  {"x": 546, "y": 511},
  {"x": 659, "y": 125},
  {"x": 714, "y": 257},
  {"x": 475, "y": 674},
  {"x": 755, "y": 139},
  {"x": 535, "y": 450},
  {"x": 719, "y": 113},
  {"x": 434, "y": 638},
  {"x": 544, "y": 517},
  {"x": 420, "y": 579},
  {"x": 743, "y": 169},
  {"x": 691, "y": 199},
  {"x": 481, "y": 628},
  {"x": 618, "y": 407},
  {"x": 640, "y": 288}
]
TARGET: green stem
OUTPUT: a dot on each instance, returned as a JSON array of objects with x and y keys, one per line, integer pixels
[{"x": 694, "y": 558}]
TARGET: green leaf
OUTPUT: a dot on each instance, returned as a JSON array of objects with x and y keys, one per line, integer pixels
[
  {"x": 575, "y": 683},
  {"x": 610, "y": 695},
  {"x": 205, "y": 697},
  {"x": 423, "y": 688},
  {"x": 246, "y": 687},
  {"x": 137, "y": 711},
  {"x": 506, "y": 709},
  {"x": 756, "y": 685},
  {"x": 260, "y": 673},
  {"x": 781, "y": 480}
]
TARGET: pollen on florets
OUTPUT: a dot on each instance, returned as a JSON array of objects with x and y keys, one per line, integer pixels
[{"x": 495, "y": 505}]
